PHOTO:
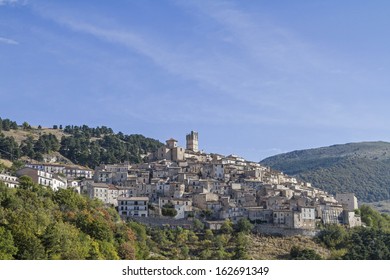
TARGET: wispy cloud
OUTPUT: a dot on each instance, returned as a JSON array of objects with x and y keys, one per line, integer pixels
[
  {"x": 8, "y": 41},
  {"x": 12, "y": 2},
  {"x": 226, "y": 75},
  {"x": 274, "y": 74}
]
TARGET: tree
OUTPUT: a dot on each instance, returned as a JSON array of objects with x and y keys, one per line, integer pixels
[
  {"x": 9, "y": 148},
  {"x": 227, "y": 227},
  {"x": 333, "y": 236},
  {"x": 198, "y": 225},
  {"x": 94, "y": 225},
  {"x": 297, "y": 253},
  {"x": 208, "y": 235},
  {"x": 126, "y": 251},
  {"x": 27, "y": 147},
  {"x": 108, "y": 250},
  {"x": 142, "y": 250},
  {"x": 240, "y": 249},
  {"x": 244, "y": 225},
  {"x": 64, "y": 241},
  {"x": 7, "y": 247},
  {"x": 374, "y": 219},
  {"x": 26, "y": 182},
  {"x": 26, "y": 126},
  {"x": 368, "y": 244},
  {"x": 168, "y": 210},
  {"x": 69, "y": 200}
]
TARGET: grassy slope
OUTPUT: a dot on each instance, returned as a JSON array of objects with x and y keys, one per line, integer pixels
[
  {"x": 21, "y": 134},
  {"x": 277, "y": 248}
]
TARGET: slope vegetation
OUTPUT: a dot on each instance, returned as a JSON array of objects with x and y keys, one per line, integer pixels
[
  {"x": 362, "y": 168},
  {"x": 81, "y": 145}
]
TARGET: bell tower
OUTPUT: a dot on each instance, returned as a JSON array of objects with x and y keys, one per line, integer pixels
[{"x": 192, "y": 141}]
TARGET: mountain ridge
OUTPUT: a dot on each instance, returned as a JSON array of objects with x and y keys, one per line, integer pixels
[{"x": 362, "y": 168}]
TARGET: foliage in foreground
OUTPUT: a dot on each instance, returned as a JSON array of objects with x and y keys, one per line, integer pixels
[
  {"x": 371, "y": 242},
  {"x": 37, "y": 223}
]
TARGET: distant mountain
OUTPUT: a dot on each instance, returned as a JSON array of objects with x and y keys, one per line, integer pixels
[{"x": 362, "y": 168}]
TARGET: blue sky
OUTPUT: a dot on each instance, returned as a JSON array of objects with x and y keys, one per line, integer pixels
[{"x": 254, "y": 78}]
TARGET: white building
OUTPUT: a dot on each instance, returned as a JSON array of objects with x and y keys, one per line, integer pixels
[
  {"x": 41, "y": 177},
  {"x": 9, "y": 181},
  {"x": 71, "y": 171},
  {"x": 133, "y": 207}
]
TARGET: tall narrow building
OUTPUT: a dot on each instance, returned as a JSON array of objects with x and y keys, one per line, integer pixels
[{"x": 192, "y": 141}]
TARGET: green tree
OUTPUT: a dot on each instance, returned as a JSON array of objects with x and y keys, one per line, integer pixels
[
  {"x": 168, "y": 210},
  {"x": 69, "y": 200},
  {"x": 227, "y": 227},
  {"x": 25, "y": 182},
  {"x": 368, "y": 244},
  {"x": 7, "y": 247},
  {"x": 297, "y": 253},
  {"x": 64, "y": 241},
  {"x": 27, "y": 147},
  {"x": 198, "y": 225},
  {"x": 208, "y": 234},
  {"x": 244, "y": 225},
  {"x": 333, "y": 236},
  {"x": 142, "y": 250},
  {"x": 26, "y": 126},
  {"x": 241, "y": 247}
]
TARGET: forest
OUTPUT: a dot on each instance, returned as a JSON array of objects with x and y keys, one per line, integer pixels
[{"x": 81, "y": 144}]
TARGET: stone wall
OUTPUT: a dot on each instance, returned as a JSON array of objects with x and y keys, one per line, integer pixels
[{"x": 275, "y": 230}]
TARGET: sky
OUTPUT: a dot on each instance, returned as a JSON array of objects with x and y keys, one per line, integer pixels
[{"x": 253, "y": 78}]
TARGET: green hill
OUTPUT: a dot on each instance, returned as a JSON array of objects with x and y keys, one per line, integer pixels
[
  {"x": 362, "y": 168},
  {"x": 82, "y": 145}
]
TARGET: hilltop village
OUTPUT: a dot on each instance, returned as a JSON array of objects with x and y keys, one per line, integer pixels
[{"x": 176, "y": 185}]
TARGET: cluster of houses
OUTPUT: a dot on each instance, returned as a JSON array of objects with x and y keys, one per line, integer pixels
[
  {"x": 55, "y": 176},
  {"x": 211, "y": 187}
]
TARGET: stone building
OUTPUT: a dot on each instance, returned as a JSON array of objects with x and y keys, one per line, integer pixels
[{"x": 192, "y": 141}]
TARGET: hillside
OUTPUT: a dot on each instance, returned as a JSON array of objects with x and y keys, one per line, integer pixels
[
  {"x": 37, "y": 223},
  {"x": 81, "y": 145},
  {"x": 362, "y": 168},
  {"x": 382, "y": 206},
  {"x": 19, "y": 134}
]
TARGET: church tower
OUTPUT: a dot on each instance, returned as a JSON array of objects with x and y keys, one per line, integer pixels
[{"x": 192, "y": 141}]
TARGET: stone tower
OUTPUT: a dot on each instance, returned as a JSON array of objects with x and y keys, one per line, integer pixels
[{"x": 192, "y": 141}]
